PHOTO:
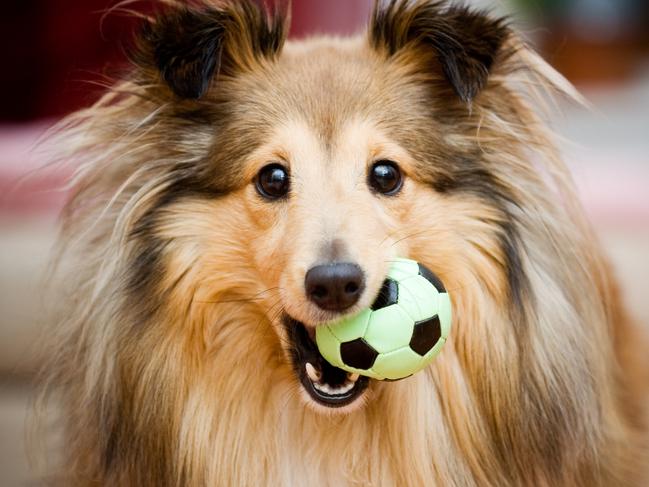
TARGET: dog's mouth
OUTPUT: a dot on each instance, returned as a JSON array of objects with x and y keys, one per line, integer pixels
[{"x": 327, "y": 385}]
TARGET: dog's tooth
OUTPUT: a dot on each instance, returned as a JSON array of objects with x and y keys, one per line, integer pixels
[
  {"x": 346, "y": 388},
  {"x": 353, "y": 377},
  {"x": 312, "y": 372},
  {"x": 321, "y": 387},
  {"x": 334, "y": 391}
]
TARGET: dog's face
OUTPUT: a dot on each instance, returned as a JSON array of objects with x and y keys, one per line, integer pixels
[
  {"x": 320, "y": 163},
  {"x": 325, "y": 213}
]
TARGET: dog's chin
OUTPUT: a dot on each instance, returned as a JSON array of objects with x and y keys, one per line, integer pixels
[{"x": 324, "y": 387}]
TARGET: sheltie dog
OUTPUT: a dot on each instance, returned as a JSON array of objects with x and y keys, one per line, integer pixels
[{"x": 228, "y": 164}]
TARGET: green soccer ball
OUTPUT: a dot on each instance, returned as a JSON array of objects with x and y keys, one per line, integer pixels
[{"x": 401, "y": 333}]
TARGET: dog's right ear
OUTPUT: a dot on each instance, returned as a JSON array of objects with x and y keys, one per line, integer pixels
[
  {"x": 465, "y": 41},
  {"x": 190, "y": 46}
]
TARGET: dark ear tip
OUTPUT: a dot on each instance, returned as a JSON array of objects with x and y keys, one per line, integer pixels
[
  {"x": 186, "y": 44},
  {"x": 467, "y": 41}
]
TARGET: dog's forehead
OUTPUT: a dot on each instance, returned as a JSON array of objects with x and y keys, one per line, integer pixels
[{"x": 327, "y": 82}]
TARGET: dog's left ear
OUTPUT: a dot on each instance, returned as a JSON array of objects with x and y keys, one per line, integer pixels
[
  {"x": 466, "y": 42},
  {"x": 189, "y": 45}
]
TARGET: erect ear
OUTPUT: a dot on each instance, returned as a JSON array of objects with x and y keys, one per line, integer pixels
[
  {"x": 189, "y": 45},
  {"x": 466, "y": 42}
]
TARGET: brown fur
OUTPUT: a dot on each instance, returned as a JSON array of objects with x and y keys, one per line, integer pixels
[{"x": 173, "y": 366}]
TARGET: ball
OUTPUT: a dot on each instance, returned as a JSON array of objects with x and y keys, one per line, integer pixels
[{"x": 401, "y": 333}]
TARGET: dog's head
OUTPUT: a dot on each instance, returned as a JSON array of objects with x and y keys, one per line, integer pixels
[
  {"x": 262, "y": 187},
  {"x": 296, "y": 172}
]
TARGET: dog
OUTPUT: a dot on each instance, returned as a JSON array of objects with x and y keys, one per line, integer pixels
[{"x": 228, "y": 163}]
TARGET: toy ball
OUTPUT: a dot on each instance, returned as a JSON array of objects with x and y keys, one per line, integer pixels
[{"x": 401, "y": 333}]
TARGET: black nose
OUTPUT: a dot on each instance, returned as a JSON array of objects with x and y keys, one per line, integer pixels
[{"x": 334, "y": 287}]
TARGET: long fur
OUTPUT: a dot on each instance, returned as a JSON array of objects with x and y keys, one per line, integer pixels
[{"x": 172, "y": 368}]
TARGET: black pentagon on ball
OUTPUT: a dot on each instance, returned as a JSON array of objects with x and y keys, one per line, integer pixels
[
  {"x": 425, "y": 335},
  {"x": 427, "y": 274},
  {"x": 358, "y": 354},
  {"x": 388, "y": 295}
]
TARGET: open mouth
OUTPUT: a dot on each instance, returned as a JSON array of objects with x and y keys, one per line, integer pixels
[{"x": 327, "y": 385}]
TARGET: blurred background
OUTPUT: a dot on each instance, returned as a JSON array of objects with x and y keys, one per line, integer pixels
[{"x": 56, "y": 54}]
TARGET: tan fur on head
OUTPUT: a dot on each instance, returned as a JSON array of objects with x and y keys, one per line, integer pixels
[{"x": 174, "y": 363}]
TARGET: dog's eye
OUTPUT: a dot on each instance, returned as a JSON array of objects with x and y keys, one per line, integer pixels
[
  {"x": 385, "y": 178},
  {"x": 273, "y": 181}
]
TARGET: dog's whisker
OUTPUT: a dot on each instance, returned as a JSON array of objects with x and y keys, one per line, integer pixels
[{"x": 412, "y": 235}]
